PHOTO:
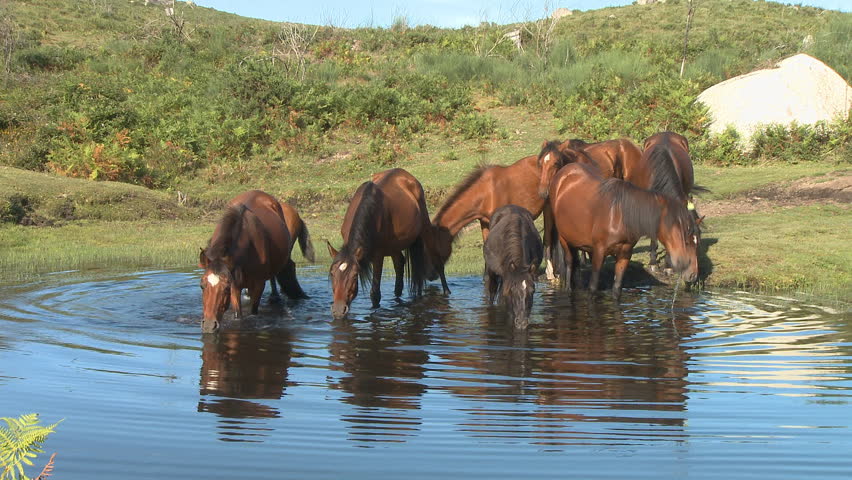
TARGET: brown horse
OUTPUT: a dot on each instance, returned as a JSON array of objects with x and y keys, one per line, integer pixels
[
  {"x": 608, "y": 216},
  {"x": 513, "y": 254},
  {"x": 484, "y": 190},
  {"x": 298, "y": 233},
  {"x": 250, "y": 245},
  {"x": 666, "y": 168},
  {"x": 612, "y": 158},
  {"x": 386, "y": 217}
]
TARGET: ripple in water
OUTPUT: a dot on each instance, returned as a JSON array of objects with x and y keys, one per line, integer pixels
[{"x": 723, "y": 385}]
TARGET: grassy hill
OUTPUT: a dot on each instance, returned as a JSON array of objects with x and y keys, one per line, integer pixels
[{"x": 208, "y": 104}]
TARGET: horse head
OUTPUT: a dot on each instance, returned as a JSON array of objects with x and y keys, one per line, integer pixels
[
  {"x": 518, "y": 290},
  {"x": 215, "y": 290},
  {"x": 679, "y": 232},
  {"x": 346, "y": 268},
  {"x": 551, "y": 158}
]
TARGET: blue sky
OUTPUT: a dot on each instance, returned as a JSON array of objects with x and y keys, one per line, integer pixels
[{"x": 443, "y": 13}]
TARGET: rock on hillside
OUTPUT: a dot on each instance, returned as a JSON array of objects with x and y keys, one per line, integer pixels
[{"x": 800, "y": 89}]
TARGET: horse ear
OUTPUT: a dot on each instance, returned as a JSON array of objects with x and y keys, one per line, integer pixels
[
  {"x": 543, "y": 144},
  {"x": 533, "y": 268},
  {"x": 359, "y": 254},
  {"x": 331, "y": 250},
  {"x": 202, "y": 259}
]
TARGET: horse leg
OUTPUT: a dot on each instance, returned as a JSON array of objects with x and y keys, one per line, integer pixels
[
  {"x": 255, "y": 290},
  {"x": 491, "y": 283},
  {"x": 399, "y": 269},
  {"x": 622, "y": 259},
  {"x": 376, "y": 288},
  {"x": 598, "y": 255},
  {"x": 567, "y": 266},
  {"x": 289, "y": 283},
  {"x": 274, "y": 297},
  {"x": 443, "y": 280},
  {"x": 236, "y": 301},
  {"x": 548, "y": 243},
  {"x": 576, "y": 255},
  {"x": 652, "y": 259}
]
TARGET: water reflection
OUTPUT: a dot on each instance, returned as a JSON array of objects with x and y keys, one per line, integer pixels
[
  {"x": 238, "y": 367},
  {"x": 593, "y": 371},
  {"x": 383, "y": 374}
]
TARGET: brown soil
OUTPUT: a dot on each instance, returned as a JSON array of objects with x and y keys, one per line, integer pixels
[{"x": 832, "y": 189}]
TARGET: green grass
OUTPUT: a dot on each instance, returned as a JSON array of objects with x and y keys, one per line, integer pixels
[
  {"x": 803, "y": 249},
  {"x": 727, "y": 182}
]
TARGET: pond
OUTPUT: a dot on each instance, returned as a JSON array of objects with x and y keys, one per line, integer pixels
[{"x": 714, "y": 385}]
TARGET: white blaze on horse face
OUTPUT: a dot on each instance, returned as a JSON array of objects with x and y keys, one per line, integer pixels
[
  {"x": 546, "y": 158},
  {"x": 213, "y": 279},
  {"x": 343, "y": 266},
  {"x": 695, "y": 239},
  {"x": 523, "y": 284}
]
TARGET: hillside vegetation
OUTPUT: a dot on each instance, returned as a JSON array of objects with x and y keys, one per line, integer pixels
[
  {"x": 121, "y": 91},
  {"x": 199, "y": 105}
]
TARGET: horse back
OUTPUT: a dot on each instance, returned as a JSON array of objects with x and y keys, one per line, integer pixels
[
  {"x": 264, "y": 246},
  {"x": 513, "y": 241}
]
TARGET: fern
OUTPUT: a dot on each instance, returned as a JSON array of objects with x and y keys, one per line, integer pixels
[{"x": 20, "y": 441}]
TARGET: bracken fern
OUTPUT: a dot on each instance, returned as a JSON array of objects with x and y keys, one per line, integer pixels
[{"x": 20, "y": 441}]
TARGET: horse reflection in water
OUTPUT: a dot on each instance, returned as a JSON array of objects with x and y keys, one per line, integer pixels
[
  {"x": 379, "y": 377},
  {"x": 240, "y": 366},
  {"x": 585, "y": 372}
]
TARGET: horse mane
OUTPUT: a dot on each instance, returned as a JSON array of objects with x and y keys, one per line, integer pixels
[
  {"x": 230, "y": 228},
  {"x": 664, "y": 177},
  {"x": 462, "y": 187},
  {"x": 362, "y": 232},
  {"x": 639, "y": 209}
]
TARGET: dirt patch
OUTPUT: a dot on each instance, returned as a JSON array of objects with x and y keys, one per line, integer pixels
[{"x": 831, "y": 189}]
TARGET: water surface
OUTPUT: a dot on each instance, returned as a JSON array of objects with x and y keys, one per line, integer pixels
[{"x": 724, "y": 385}]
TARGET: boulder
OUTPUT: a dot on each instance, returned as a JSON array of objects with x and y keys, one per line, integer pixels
[
  {"x": 561, "y": 12},
  {"x": 799, "y": 89}
]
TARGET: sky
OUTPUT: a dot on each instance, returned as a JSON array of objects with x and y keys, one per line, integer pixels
[{"x": 441, "y": 13}]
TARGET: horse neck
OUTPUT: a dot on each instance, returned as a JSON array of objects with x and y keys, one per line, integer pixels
[
  {"x": 464, "y": 209},
  {"x": 640, "y": 209}
]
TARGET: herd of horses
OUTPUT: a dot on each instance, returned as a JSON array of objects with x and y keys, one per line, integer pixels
[{"x": 598, "y": 198}]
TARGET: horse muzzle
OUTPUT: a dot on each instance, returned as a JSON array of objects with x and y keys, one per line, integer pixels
[
  {"x": 339, "y": 310},
  {"x": 209, "y": 325}
]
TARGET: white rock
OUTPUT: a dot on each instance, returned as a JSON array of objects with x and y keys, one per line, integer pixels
[{"x": 800, "y": 89}]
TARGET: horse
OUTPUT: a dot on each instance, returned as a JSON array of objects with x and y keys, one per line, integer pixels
[
  {"x": 608, "y": 216},
  {"x": 666, "y": 168},
  {"x": 484, "y": 190},
  {"x": 298, "y": 233},
  {"x": 386, "y": 217},
  {"x": 250, "y": 245},
  {"x": 513, "y": 253},
  {"x": 611, "y": 158}
]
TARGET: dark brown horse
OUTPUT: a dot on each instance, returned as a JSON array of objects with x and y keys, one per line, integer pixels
[
  {"x": 484, "y": 190},
  {"x": 611, "y": 158},
  {"x": 513, "y": 254},
  {"x": 608, "y": 216},
  {"x": 666, "y": 168},
  {"x": 298, "y": 233},
  {"x": 386, "y": 217},
  {"x": 250, "y": 245}
]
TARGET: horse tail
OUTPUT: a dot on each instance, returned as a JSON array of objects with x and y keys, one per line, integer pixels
[
  {"x": 699, "y": 189},
  {"x": 416, "y": 265},
  {"x": 305, "y": 243}
]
